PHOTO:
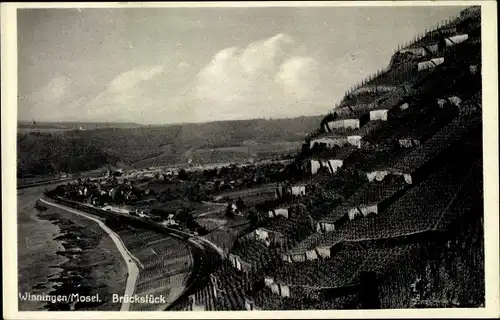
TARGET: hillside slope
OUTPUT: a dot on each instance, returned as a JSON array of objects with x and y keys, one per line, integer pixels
[
  {"x": 392, "y": 212},
  {"x": 141, "y": 146}
]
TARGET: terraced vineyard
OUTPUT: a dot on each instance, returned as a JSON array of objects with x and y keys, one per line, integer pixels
[
  {"x": 164, "y": 264},
  {"x": 398, "y": 222}
]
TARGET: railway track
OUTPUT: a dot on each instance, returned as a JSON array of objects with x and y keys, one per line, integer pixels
[{"x": 207, "y": 257}]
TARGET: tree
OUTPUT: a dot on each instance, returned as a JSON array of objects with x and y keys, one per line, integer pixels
[
  {"x": 253, "y": 217},
  {"x": 229, "y": 210},
  {"x": 182, "y": 175},
  {"x": 240, "y": 205}
]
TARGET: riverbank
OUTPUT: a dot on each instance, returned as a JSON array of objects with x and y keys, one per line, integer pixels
[
  {"x": 37, "y": 247},
  {"x": 93, "y": 266},
  {"x": 61, "y": 253}
]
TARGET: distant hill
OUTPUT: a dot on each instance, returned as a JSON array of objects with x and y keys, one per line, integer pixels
[
  {"x": 73, "y": 125},
  {"x": 45, "y": 153},
  {"x": 140, "y": 146}
]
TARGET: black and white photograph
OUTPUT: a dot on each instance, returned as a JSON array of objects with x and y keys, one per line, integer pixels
[{"x": 223, "y": 157}]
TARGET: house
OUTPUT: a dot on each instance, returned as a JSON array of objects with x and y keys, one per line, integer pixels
[
  {"x": 332, "y": 165},
  {"x": 238, "y": 263},
  {"x": 325, "y": 226},
  {"x": 311, "y": 255},
  {"x": 409, "y": 143},
  {"x": 404, "y": 106},
  {"x": 323, "y": 251},
  {"x": 297, "y": 257},
  {"x": 250, "y": 305},
  {"x": 430, "y": 64},
  {"x": 374, "y": 89},
  {"x": 473, "y": 69},
  {"x": 343, "y": 124},
  {"x": 268, "y": 281},
  {"x": 278, "y": 212},
  {"x": 299, "y": 190},
  {"x": 328, "y": 142},
  {"x": 170, "y": 221},
  {"x": 281, "y": 191},
  {"x": 275, "y": 288},
  {"x": 121, "y": 209},
  {"x": 284, "y": 290},
  {"x": 379, "y": 115},
  {"x": 363, "y": 211},
  {"x": 378, "y": 175},
  {"x": 454, "y": 100},
  {"x": 331, "y": 141},
  {"x": 454, "y": 40}
]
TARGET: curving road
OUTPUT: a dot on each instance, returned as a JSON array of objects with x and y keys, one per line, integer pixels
[
  {"x": 207, "y": 256},
  {"x": 130, "y": 260}
]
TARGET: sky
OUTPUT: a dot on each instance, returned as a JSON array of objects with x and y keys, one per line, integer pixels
[{"x": 175, "y": 65}]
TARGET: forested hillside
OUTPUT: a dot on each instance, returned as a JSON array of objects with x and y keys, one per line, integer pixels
[{"x": 224, "y": 141}]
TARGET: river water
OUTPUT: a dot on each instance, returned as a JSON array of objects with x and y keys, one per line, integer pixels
[{"x": 37, "y": 258}]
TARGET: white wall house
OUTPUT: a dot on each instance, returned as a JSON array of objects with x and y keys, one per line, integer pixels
[
  {"x": 284, "y": 290},
  {"x": 268, "y": 237},
  {"x": 454, "y": 40},
  {"x": 343, "y": 124},
  {"x": 332, "y": 165},
  {"x": 454, "y": 100},
  {"x": 354, "y": 141},
  {"x": 421, "y": 52},
  {"x": 278, "y": 212},
  {"x": 299, "y": 190},
  {"x": 116, "y": 209},
  {"x": 362, "y": 210},
  {"x": 261, "y": 234},
  {"x": 311, "y": 255},
  {"x": 353, "y": 213},
  {"x": 323, "y": 226},
  {"x": 379, "y": 88},
  {"x": 409, "y": 143},
  {"x": 275, "y": 288},
  {"x": 377, "y": 175},
  {"x": 366, "y": 210},
  {"x": 473, "y": 68},
  {"x": 323, "y": 252},
  {"x": 408, "y": 178},
  {"x": 379, "y": 115},
  {"x": 330, "y": 142},
  {"x": 298, "y": 257},
  {"x": 236, "y": 261},
  {"x": 281, "y": 212},
  {"x": 268, "y": 281},
  {"x": 433, "y": 63},
  {"x": 404, "y": 106}
]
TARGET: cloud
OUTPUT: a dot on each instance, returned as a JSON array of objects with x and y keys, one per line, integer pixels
[
  {"x": 272, "y": 77},
  {"x": 44, "y": 101},
  {"x": 127, "y": 96},
  {"x": 297, "y": 76},
  {"x": 183, "y": 64},
  {"x": 130, "y": 79}
]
